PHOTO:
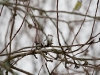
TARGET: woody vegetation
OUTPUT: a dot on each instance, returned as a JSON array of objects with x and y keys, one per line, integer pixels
[{"x": 58, "y": 42}]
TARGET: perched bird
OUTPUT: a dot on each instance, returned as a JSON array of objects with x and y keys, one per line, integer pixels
[
  {"x": 48, "y": 41},
  {"x": 78, "y": 5}
]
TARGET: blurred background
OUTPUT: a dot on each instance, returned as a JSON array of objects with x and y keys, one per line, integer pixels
[{"x": 24, "y": 24}]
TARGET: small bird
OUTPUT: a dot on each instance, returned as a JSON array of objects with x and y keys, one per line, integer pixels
[
  {"x": 78, "y": 5},
  {"x": 48, "y": 40}
]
